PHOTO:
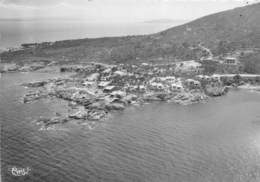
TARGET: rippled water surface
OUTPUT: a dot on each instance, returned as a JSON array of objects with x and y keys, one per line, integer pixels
[{"x": 213, "y": 142}]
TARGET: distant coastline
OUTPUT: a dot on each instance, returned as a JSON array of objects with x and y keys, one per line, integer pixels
[
  {"x": 167, "y": 21},
  {"x": 17, "y": 31}
]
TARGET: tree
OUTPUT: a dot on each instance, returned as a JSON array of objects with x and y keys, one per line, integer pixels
[
  {"x": 223, "y": 47},
  {"x": 251, "y": 63},
  {"x": 123, "y": 53},
  {"x": 210, "y": 67},
  {"x": 237, "y": 79}
]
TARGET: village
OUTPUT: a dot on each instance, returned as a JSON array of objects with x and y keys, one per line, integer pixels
[{"x": 96, "y": 90}]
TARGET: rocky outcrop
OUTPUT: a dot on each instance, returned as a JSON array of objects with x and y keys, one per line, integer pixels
[
  {"x": 187, "y": 98},
  {"x": 79, "y": 114},
  {"x": 150, "y": 97},
  {"x": 93, "y": 114},
  {"x": 35, "y": 84},
  {"x": 130, "y": 98},
  {"x": 5, "y": 68},
  {"x": 214, "y": 91},
  {"x": 97, "y": 115},
  {"x": 46, "y": 122},
  {"x": 33, "y": 66},
  {"x": 33, "y": 96},
  {"x": 115, "y": 106}
]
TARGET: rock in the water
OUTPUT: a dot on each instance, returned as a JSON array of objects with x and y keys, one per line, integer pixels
[
  {"x": 150, "y": 97},
  {"x": 130, "y": 98},
  {"x": 80, "y": 114},
  {"x": 215, "y": 91},
  {"x": 115, "y": 106},
  {"x": 35, "y": 84},
  {"x": 51, "y": 121},
  {"x": 96, "y": 105},
  {"x": 97, "y": 115},
  {"x": 159, "y": 96},
  {"x": 187, "y": 98},
  {"x": 163, "y": 96},
  {"x": 118, "y": 94},
  {"x": 8, "y": 68},
  {"x": 32, "y": 96}
]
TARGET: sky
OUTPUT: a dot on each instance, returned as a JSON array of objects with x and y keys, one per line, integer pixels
[{"x": 115, "y": 10}]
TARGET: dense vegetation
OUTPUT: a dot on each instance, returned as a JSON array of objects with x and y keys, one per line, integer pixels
[{"x": 251, "y": 63}]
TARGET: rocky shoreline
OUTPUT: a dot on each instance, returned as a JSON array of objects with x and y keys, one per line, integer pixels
[
  {"x": 96, "y": 91},
  {"x": 25, "y": 67}
]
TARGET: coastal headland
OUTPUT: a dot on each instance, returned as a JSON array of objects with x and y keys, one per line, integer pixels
[{"x": 95, "y": 91}]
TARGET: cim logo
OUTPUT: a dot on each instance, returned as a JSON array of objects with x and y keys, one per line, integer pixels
[{"x": 18, "y": 171}]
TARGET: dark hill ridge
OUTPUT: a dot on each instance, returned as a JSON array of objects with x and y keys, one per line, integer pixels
[
  {"x": 237, "y": 25},
  {"x": 221, "y": 32}
]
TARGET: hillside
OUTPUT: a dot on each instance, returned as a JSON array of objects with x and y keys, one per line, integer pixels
[
  {"x": 240, "y": 27},
  {"x": 222, "y": 32}
]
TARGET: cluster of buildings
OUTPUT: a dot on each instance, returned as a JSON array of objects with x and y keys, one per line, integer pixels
[
  {"x": 140, "y": 79},
  {"x": 228, "y": 60}
]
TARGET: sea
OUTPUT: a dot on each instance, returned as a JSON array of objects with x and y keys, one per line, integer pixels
[
  {"x": 14, "y": 32},
  {"x": 216, "y": 141}
]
